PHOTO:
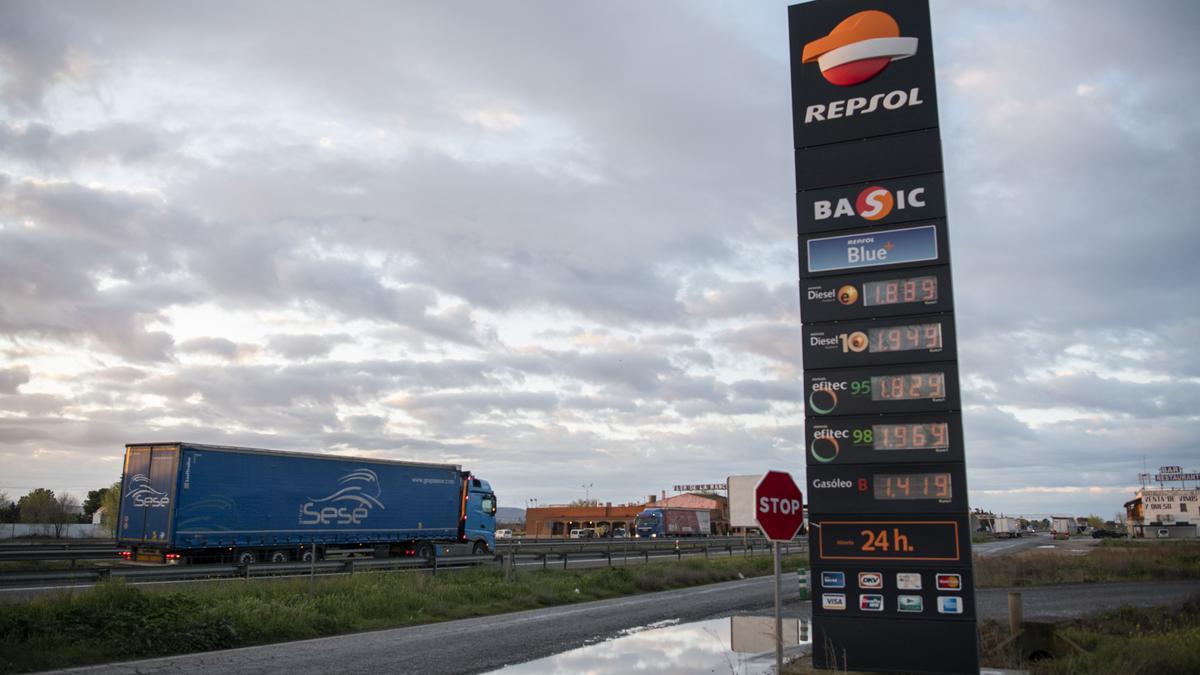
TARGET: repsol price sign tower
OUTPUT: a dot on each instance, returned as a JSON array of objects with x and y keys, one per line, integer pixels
[{"x": 889, "y": 532}]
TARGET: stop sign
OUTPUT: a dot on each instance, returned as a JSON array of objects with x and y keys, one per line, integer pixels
[{"x": 778, "y": 506}]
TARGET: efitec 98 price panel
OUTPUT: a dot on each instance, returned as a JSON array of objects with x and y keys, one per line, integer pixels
[
  {"x": 876, "y": 294},
  {"x": 892, "y": 438},
  {"x": 896, "y": 340}
]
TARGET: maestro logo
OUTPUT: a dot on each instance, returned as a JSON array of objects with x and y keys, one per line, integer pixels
[{"x": 859, "y": 48}]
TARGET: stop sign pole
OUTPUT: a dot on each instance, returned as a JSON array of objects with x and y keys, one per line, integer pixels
[{"x": 779, "y": 510}]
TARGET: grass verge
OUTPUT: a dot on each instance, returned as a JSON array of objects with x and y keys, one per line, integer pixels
[
  {"x": 1112, "y": 560},
  {"x": 115, "y": 621},
  {"x": 1128, "y": 641}
]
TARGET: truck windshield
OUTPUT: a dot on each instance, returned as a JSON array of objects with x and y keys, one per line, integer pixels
[{"x": 647, "y": 519}]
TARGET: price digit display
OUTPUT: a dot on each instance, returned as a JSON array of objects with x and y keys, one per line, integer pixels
[
  {"x": 908, "y": 387},
  {"x": 912, "y": 486},
  {"x": 898, "y": 291},
  {"x": 909, "y": 436}
]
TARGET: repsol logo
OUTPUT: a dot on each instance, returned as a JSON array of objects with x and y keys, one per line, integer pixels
[
  {"x": 861, "y": 105},
  {"x": 833, "y": 483}
]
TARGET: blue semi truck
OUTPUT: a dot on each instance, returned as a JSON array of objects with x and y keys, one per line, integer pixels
[{"x": 190, "y": 502}]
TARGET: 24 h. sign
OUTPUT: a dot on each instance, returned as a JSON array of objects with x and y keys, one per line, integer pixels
[{"x": 778, "y": 506}]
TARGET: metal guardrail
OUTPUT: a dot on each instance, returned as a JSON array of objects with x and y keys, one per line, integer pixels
[
  {"x": 544, "y": 551},
  {"x": 59, "y": 554}
]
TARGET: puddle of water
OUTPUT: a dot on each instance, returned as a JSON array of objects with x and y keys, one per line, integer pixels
[{"x": 739, "y": 645}]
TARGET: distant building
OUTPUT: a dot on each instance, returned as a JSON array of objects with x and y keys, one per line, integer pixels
[
  {"x": 1163, "y": 513},
  {"x": 559, "y": 520}
]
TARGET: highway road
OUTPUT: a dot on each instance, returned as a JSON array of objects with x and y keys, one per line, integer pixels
[{"x": 487, "y": 643}]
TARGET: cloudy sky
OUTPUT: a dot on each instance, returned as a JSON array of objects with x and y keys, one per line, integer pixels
[{"x": 555, "y": 242}]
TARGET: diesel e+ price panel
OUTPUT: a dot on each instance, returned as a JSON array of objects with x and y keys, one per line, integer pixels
[
  {"x": 909, "y": 388},
  {"x": 886, "y": 341},
  {"x": 920, "y": 290},
  {"x": 883, "y": 488},
  {"x": 934, "y": 437}
]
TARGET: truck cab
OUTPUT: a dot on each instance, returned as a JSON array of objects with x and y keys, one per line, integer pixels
[{"x": 479, "y": 518}]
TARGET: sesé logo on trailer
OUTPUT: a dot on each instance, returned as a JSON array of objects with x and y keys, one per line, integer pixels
[{"x": 348, "y": 505}]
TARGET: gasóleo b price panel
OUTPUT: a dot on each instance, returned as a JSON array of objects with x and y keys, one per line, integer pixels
[{"x": 887, "y": 488}]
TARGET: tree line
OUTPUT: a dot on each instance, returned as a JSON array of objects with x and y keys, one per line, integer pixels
[{"x": 42, "y": 507}]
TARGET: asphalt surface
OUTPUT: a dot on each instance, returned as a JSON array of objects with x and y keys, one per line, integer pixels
[{"x": 487, "y": 643}]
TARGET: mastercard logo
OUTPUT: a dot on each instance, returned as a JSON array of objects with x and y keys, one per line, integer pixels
[{"x": 859, "y": 48}]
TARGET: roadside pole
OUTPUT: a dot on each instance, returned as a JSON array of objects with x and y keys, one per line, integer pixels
[{"x": 778, "y": 610}]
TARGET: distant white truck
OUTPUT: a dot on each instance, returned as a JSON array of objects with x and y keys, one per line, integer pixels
[
  {"x": 1061, "y": 527},
  {"x": 1006, "y": 528}
]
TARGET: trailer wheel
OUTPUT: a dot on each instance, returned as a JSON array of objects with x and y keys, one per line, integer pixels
[
  {"x": 247, "y": 558},
  {"x": 425, "y": 551},
  {"x": 279, "y": 556},
  {"x": 480, "y": 548},
  {"x": 307, "y": 556}
]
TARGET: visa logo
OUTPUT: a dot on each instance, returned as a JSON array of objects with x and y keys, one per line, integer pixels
[{"x": 834, "y": 601}]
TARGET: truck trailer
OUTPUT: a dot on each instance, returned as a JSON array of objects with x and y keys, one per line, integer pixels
[
  {"x": 657, "y": 523},
  {"x": 1006, "y": 528},
  {"x": 190, "y": 502}
]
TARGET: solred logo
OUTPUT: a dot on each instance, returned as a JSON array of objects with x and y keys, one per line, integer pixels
[{"x": 859, "y": 48}]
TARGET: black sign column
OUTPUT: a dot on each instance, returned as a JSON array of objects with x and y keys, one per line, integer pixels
[{"x": 890, "y": 534}]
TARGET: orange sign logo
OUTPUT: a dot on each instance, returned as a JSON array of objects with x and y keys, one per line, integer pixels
[{"x": 859, "y": 48}]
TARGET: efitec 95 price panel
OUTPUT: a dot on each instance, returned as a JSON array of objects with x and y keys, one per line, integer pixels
[
  {"x": 894, "y": 340},
  {"x": 910, "y": 388}
]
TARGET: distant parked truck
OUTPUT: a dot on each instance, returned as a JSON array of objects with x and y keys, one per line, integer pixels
[
  {"x": 1004, "y": 527},
  {"x": 1062, "y": 527},
  {"x": 669, "y": 522},
  {"x": 188, "y": 502}
]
